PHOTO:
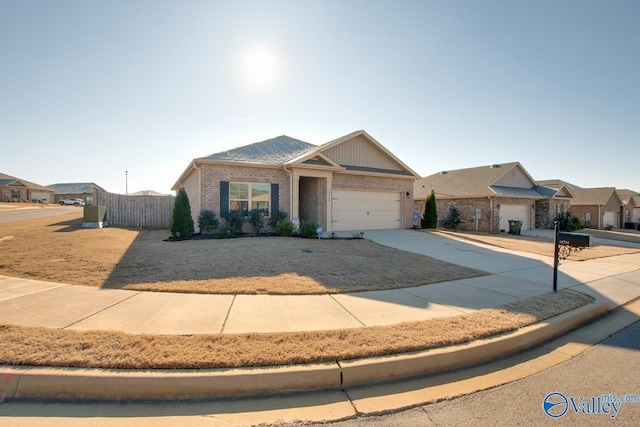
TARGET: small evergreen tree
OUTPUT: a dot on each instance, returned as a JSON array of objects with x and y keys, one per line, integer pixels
[
  {"x": 181, "y": 221},
  {"x": 429, "y": 218}
]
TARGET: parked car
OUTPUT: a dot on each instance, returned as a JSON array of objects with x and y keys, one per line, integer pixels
[{"x": 72, "y": 201}]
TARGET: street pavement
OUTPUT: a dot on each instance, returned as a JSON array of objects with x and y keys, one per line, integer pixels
[{"x": 512, "y": 276}]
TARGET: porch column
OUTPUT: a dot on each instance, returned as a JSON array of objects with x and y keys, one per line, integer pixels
[
  {"x": 329, "y": 228},
  {"x": 295, "y": 195}
]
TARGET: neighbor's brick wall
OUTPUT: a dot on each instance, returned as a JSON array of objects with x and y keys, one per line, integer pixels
[
  {"x": 360, "y": 182},
  {"x": 547, "y": 210},
  {"x": 581, "y": 213},
  {"x": 467, "y": 209}
]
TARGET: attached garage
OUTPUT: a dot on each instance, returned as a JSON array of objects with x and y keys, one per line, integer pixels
[
  {"x": 610, "y": 218},
  {"x": 514, "y": 212},
  {"x": 366, "y": 210}
]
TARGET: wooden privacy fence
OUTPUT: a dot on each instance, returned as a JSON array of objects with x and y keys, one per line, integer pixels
[{"x": 136, "y": 211}]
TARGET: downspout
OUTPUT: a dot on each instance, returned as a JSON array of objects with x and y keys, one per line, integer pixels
[{"x": 490, "y": 214}]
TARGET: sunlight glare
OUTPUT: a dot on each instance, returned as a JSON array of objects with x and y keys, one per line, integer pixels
[{"x": 260, "y": 66}]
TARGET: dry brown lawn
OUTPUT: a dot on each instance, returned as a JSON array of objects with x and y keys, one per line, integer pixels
[
  {"x": 58, "y": 249},
  {"x": 537, "y": 245},
  {"x": 95, "y": 349}
]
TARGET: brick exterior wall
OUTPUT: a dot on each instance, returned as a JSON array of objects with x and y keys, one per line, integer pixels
[
  {"x": 364, "y": 182},
  {"x": 209, "y": 197},
  {"x": 547, "y": 210},
  {"x": 467, "y": 209},
  {"x": 212, "y": 174}
]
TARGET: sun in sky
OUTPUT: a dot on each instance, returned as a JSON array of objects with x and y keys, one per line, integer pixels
[{"x": 260, "y": 66}]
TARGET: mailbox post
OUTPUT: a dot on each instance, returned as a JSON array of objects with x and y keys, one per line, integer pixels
[{"x": 564, "y": 244}]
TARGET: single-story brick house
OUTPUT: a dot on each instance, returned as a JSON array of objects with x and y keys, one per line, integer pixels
[
  {"x": 14, "y": 189},
  {"x": 349, "y": 184},
  {"x": 87, "y": 191},
  {"x": 598, "y": 208},
  {"x": 487, "y": 197},
  {"x": 631, "y": 202}
]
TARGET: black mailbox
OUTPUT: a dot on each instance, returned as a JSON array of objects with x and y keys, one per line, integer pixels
[{"x": 575, "y": 240}]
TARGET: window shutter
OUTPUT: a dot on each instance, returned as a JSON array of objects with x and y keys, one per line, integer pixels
[
  {"x": 224, "y": 198},
  {"x": 275, "y": 197}
]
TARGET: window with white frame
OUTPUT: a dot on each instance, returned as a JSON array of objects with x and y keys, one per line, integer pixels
[{"x": 245, "y": 196}]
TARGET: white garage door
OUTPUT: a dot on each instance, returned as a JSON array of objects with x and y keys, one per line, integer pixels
[
  {"x": 610, "y": 218},
  {"x": 514, "y": 212},
  {"x": 366, "y": 210}
]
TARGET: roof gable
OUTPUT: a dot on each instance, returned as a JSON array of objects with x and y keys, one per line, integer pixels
[
  {"x": 595, "y": 196},
  {"x": 359, "y": 151},
  {"x": 271, "y": 151}
]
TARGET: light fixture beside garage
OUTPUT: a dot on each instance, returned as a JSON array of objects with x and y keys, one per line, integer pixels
[{"x": 408, "y": 194}]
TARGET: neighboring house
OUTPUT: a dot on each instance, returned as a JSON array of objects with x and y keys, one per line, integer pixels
[
  {"x": 631, "y": 205},
  {"x": 14, "y": 189},
  {"x": 351, "y": 183},
  {"x": 597, "y": 208},
  {"x": 487, "y": 197},
  {"x": 87, "y": 191}
]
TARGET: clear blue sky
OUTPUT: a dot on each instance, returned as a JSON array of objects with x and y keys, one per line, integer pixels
[{"x": 89, "y": 89}]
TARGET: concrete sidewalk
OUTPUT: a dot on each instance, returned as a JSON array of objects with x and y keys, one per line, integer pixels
[{"x": 513, "y": 276}]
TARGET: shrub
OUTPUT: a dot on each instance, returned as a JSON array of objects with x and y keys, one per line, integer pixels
[
  {"x": 453, "y": 218},
  {"x": 223, "y": 232},
  {"x": 234, "y": 221},
  {"x": 181, "y": 221},
  {"x": 256, "y": 219},
  {"x": 429, "y": 218},
  {"x": 284, "y": 228},
  {"x": 207, "y": 222},
  {"x": 308, "y": 230},
  {"x": 568, "y": 222},
  {"x": 276, "y": 217}
]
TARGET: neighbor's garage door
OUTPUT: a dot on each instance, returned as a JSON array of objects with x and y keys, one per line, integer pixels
[
  {"x": 610, "y": 218},
  {"x": 514, "y": 212},
  {"x": 366, "y": 210}
]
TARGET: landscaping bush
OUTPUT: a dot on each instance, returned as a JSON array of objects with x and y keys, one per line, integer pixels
[
  {"x": 308, "y": 230},
  {"x": 234, "y": 221},
  {"x": 224, "y": 232},
  {"x": 429, "y": 218},
  {"x": 207, "y": 222},
  {"x": 284, "y": 228},
  {"x": 568, "y": 222},
  {"x": 256, "y": 219},
  {"x": 276, "y": 217},
  {"x": 181, "y": 221},
  {"x": 453, "y": 218}
]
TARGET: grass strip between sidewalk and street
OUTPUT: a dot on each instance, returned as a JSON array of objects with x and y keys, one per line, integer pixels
[{"x": 103, "y": 349}]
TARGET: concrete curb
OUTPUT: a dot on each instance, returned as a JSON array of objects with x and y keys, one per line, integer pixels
[{"x": 116, "y": 385}]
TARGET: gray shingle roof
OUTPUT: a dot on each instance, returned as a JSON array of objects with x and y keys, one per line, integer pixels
[
  {"x": 272, "y": 151},
  {"x": 7, "y": 180},
  {"x": 74, "y": 187},
  {"x": 592, "y": 196}
]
